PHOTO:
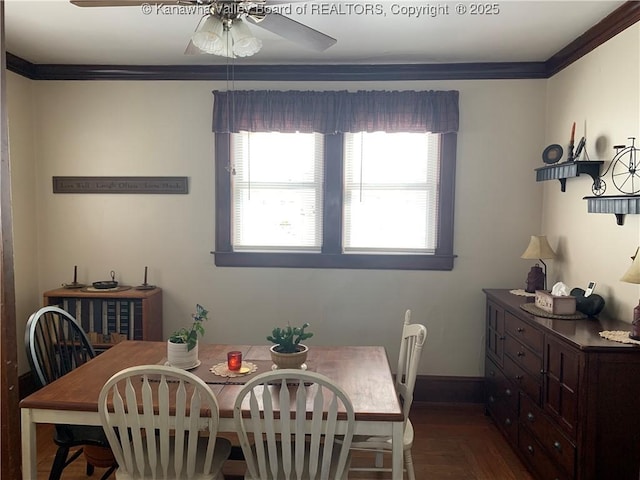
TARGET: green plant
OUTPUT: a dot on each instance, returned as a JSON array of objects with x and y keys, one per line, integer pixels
[
  {"x": 288, "y": 338},
  {"x": 190, "y": 335}
]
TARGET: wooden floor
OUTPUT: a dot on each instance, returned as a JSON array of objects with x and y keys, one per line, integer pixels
[{"x": 452, "y": 443}]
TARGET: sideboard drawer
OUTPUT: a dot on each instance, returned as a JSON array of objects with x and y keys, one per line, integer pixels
[
  {"x": 556, "y": 443},
  {"x": 499, "y": 390},
  {"x": 538, "y": 458},
  {"x": 528, "y": 383},
  {"x": 524, "y": 332},
  {"x": 523, "y": 356}
]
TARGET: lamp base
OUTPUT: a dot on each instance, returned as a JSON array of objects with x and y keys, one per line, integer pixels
[
  {"x": 635, "y": 325},
  {"x": 535, "y": 280}
]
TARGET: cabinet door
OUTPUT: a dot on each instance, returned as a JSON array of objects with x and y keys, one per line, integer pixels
[
  {"x": 561, "y": 384},
  {"x": 501, "y": 401},
  {"x": 495, "y": 332}
]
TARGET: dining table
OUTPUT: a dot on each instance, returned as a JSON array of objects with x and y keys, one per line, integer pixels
[{"x": 363, "y": 372}]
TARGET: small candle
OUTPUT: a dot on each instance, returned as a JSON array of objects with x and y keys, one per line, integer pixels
[
  {"x": 573, "y": 132},
  {"x": 234, "y": 360}
]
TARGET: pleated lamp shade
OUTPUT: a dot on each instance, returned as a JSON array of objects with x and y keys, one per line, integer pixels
[
  {"x": 538, "y": 248},
  {"x": 632, "y": 275}
]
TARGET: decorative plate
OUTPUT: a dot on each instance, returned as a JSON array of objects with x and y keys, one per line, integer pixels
[
  {"x": 195, "y": 365},
  {"x": 106, "y": 290},
  {"x": 538, "y": 312},
  {"x": 552, "y": 154},
  {"x": 222, "y": 370}
]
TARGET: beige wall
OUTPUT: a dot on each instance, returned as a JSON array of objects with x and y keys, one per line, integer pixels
[
  {"x": 601, "y": 93},
  {"x": 20, "y": 100},
  {"x": 163, "y": 128}
]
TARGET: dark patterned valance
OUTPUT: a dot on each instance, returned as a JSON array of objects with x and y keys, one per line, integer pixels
[{"x": 335, "y": 111}]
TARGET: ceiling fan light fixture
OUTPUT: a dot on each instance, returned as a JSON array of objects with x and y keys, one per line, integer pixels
[
  {"x": 244, "y": 43},
  {"x": 208, "y": 37},
  {"x": 224, "y": 48}
]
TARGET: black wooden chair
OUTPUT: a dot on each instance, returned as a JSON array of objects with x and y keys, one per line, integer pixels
[{"x": 55, "y": 345}]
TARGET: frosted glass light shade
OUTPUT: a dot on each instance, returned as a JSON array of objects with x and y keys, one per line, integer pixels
[
  {"x": 538, "y": 248},
  {"x": 224, "y": 48},
  {"x": 244, "y": 43},
  {"x": 208, "y": 35}
]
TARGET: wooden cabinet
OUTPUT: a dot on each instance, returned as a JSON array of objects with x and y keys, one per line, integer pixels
[
  {"x": 109, "y": 315},
  {"x": 565, "y": 398}
]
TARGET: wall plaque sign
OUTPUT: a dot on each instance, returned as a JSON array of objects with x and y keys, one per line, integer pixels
[{"x": 120, "y": 185}]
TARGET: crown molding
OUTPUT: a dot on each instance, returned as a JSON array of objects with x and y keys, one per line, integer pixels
[
  {"x": 622, "y": 18},
  {"x": 617, "y": 21},
  {"x": 322, "y": 73}
]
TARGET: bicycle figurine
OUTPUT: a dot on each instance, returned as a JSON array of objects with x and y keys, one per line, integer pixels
[{"x": 624, "y": 171}]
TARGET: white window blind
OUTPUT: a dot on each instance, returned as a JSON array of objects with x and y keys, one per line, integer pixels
[
  {"x": 391, "y": 192},
  {"x": 277, "y": 191}
]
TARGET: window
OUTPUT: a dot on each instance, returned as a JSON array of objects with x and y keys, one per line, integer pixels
[
  {"x": 277, "y": 190},
  {"x": 371, "y": 199},
  {"x": 391, "y": 208}
]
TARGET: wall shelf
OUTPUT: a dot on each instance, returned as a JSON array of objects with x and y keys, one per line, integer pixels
[
  {"x": 562, "y": 171},
  {"x": 619, "y": 205}
]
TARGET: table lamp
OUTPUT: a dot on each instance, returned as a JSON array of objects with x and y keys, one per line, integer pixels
[
  {"x": 633, "y": 276},
  {"x": 538, "y": 249}
]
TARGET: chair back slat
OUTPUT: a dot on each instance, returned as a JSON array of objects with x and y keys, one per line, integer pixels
[
  {"x": 55, "y": 344},
  {"x": 413, "y": 338},
  {"x": 305, "y": 409},
  {"x": 152, "y": 415}
]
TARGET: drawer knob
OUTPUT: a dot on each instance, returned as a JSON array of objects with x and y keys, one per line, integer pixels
[
  {"x": 519, "y": 377},
  {"x": 507, "y": 422},
  {"x": 492, "y": 373},
  {"x": 557, "y": 446},
  {"x": 530, "y": 417},
  {"x": 530, "y": 449},
  {"x": 508, "y": 392},
  {"x": 520, "y": 354},
  {"x": 501, "y": 337},
  {"x": 491, "y": 399},
  {"x": 519, "y": 329},
  {"x": 543, "y": 372}
]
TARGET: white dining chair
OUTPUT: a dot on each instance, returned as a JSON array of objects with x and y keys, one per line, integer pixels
[
  {"x": 413, "y": 338},
  {"x": 161, "y": 423},
  {"x": 287, "y": 422}
]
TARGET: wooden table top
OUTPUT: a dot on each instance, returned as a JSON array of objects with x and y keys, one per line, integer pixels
[{"x": 362, "y": 371}]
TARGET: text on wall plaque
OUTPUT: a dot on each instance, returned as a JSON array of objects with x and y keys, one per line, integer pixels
[{"x": 120, "y": 185}]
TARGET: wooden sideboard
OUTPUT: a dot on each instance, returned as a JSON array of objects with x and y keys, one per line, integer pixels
[
  {"x": 565, "y": 398},
  {"x": 108, "y": 316}
]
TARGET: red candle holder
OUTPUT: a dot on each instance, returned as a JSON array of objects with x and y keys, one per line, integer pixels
[{"x": 234, "y": 360}]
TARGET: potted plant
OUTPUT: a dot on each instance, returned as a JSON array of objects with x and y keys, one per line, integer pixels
[
  {"x": 182, "y": 346},
  {"x": 288, "y": 351}
]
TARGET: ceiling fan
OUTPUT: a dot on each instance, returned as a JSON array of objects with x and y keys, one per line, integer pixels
[{"x": 223, "y": 30}]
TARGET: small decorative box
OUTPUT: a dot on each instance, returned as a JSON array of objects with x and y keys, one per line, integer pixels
[{"x": 558, "y": 305}]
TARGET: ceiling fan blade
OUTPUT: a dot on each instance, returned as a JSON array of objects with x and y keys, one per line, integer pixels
[{"x": 294, "y": 31}]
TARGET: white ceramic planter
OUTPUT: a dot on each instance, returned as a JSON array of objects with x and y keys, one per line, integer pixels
[
  {"x": 179, "y": 356},
  {"x": 289, "y": 360}
]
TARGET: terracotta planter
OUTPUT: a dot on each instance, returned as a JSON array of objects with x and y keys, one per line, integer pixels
[
  {"x": 101, "y": 457},
  {"x": 179, "y": 356},
  {"x": 289, "y": 360}
]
